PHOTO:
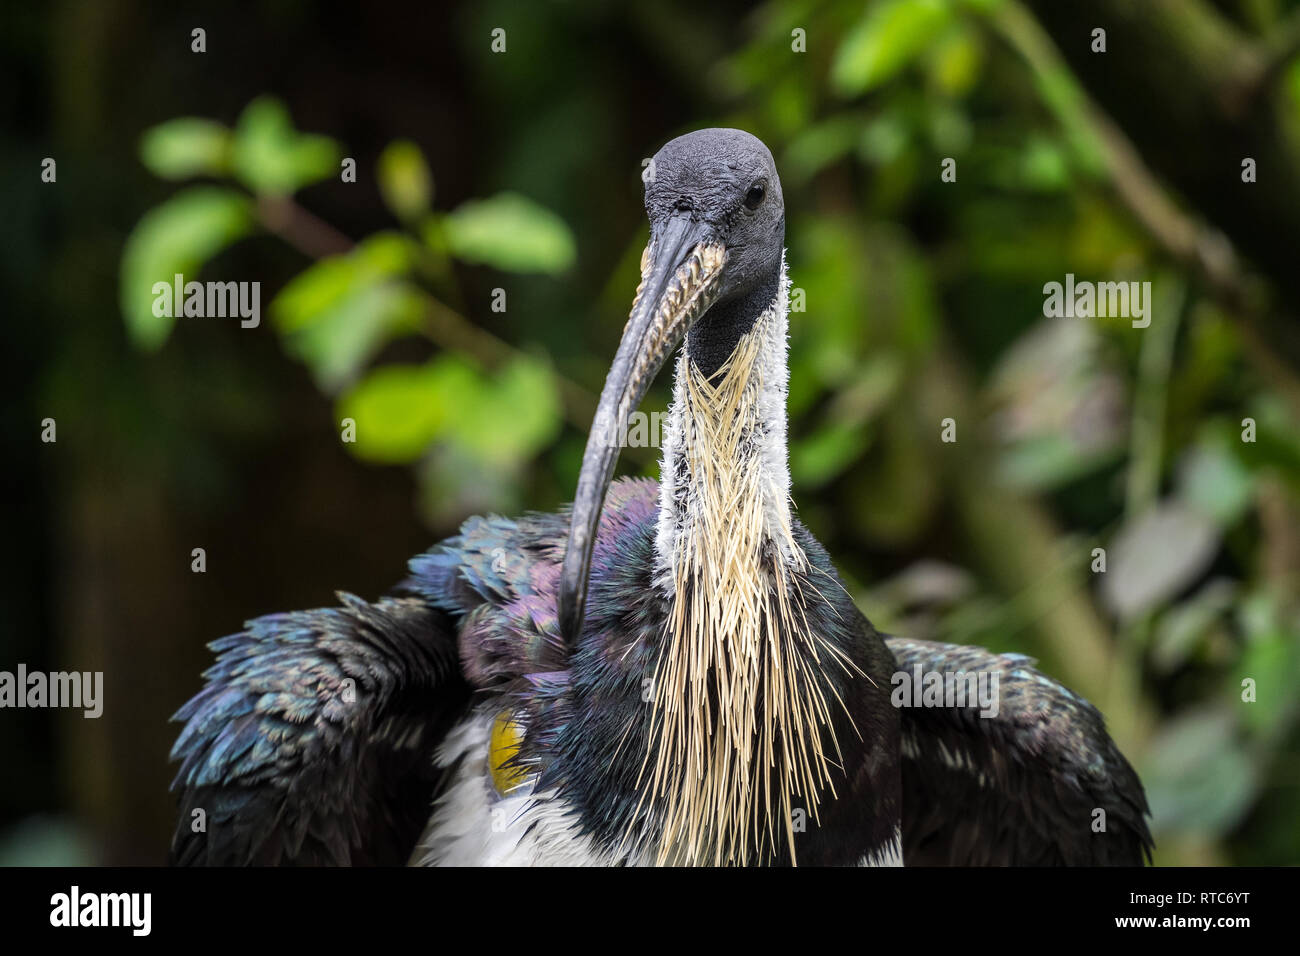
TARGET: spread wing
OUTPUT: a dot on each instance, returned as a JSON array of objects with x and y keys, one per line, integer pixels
[
  {"x": 1032, "y": 785},
  {"x": 312, "y": 742}
]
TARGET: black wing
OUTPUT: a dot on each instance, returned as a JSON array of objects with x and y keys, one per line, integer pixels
[
  {"x": 312, "y": 742},
  {"x": 1023, "y": 787}
]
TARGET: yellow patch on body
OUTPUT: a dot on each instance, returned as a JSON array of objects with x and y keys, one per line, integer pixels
[{"x": 503, "y": 746}]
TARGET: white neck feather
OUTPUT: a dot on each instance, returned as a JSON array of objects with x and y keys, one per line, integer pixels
[
  {"x": 725, "y": 774},
  {"x": 743, "y": 436}
]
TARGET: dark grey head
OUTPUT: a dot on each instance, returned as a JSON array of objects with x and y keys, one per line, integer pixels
[
  {"x": 723, "y": 182},
  {"x": 717, "y": 233}
]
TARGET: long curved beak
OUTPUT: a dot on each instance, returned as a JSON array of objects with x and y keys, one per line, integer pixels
[{"x": 679, "y": 281}]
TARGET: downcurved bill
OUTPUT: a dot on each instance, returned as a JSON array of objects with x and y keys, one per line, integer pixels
[{"x": 679, "y": 281}]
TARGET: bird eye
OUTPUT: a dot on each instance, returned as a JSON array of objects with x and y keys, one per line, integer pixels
[{"x": 754, "y": 196}]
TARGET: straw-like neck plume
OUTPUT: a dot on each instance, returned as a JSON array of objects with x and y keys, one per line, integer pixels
[{"x": 741, "y": 719}]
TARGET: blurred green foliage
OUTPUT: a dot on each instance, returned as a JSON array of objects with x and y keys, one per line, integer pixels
[
  {"x": 924, "y": 300},
  {"x": 343, "y": 309}
]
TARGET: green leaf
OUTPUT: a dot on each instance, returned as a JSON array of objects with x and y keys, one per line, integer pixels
[
  {"x": 1045, "y": 165},
  {"x": 177, "y": 237},
  {"x": 272, "y": 158},
  {"x": 889, "y": 36},
  {"x": 1212, "y": 481},
  {"x": 186, "y": 147},
  {"x": 1049, "y": 460},
  {"x": 500, "y": 420},
  {"x": 343, "y": 339},
  {"x": 340, "y": 311},
  {"x": 399, "y": 410},
  {"x": 516, "y": 415},
  {"x": 309, "y": 296},
  {"x": 322, "y": 286},
  {"x": 955, "y": 61},
  {"x": 509, "y": 232},
  {"x": 404, "y": 180}
]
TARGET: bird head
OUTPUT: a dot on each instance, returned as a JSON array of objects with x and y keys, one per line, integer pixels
[{"x": 717, "y": 234}]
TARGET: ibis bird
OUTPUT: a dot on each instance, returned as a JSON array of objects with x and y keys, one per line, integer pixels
[{"x": 664, "y": 673}]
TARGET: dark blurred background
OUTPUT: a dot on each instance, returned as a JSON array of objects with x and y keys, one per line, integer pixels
[{"x": 1112, "y": 158}]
